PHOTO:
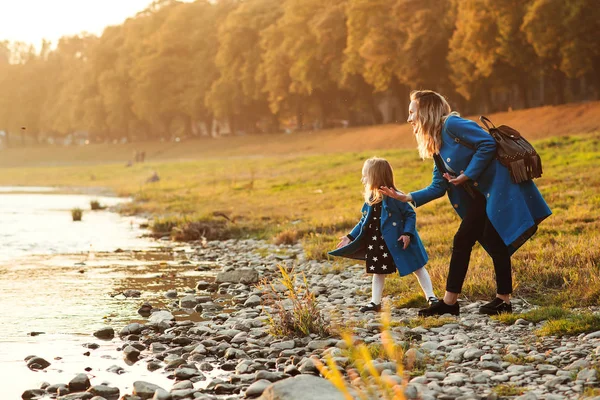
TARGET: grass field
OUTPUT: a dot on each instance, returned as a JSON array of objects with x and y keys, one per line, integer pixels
[{"x": 307, "y": 187}]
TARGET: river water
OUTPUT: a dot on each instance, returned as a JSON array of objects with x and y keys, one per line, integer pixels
[{"x": 62, "y": 278}]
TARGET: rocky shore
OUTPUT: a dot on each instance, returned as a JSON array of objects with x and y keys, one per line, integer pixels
[{"x": 229, "y": 353}]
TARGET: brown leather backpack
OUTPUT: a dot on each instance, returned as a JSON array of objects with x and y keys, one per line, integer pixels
[{"x": 513, "y": 151}]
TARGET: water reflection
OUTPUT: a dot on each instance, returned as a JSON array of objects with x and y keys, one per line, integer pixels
[{"x": 64, "y": 279}]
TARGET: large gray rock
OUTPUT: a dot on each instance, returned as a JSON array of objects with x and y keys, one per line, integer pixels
[
  {"x": 106, "y": 333},
  {"x": 302, "y": 387},
  {"x": 257, "y": 388},
  {"x": 243, "y": 275},
  {"x": 145, "y": 390},
  {"x": 77, "y": 396},
  {"x": 131, "y": 354},
  {"x": 161, "y": 316},
  {"x": 36, "y": 363},
  {"x": 132, "y": 329},
  {"x": 108, "y": 392},
  {"x": 34, "y": 394},
  {"x": 188, "y": 302},
  {"x": 161, "y": 395},
  {"x": 80, "y": 383}
]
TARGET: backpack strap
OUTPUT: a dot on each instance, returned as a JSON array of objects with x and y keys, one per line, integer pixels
[
  {"x": 460, "y": 141},
  {"x": 485, "y": 120}
]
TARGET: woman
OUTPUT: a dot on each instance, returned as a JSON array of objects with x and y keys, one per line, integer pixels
[{"x": 498, "y": 213}]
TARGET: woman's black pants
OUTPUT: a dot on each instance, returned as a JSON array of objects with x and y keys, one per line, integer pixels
[{"x": 474, "y": 227}]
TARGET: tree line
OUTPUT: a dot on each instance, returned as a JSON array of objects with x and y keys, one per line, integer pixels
[{"x": 258, "y": 66}]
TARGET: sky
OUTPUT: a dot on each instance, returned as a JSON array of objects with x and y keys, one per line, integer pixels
[{"x": 33, "y": 20}]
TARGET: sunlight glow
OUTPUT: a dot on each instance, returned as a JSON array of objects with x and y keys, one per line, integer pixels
[{"x": 31, "y": 21}]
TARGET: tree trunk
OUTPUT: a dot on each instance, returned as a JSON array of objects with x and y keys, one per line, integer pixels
[
  {"x": 559, "y": 80},
  {"x": 523, "y": 92},
  {"x": 325, "y": 109},
  {"x": 232, "y": 124},
  {"x": 376, "y": 117},
  {"x": 274, "y": 123},
  {"x": 596, "y": 76},
  {"x": 299, "y": 114}
]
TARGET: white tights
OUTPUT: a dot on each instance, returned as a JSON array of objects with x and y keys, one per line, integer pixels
[
  {"x": 425, "y": 282},
  {"x": 379, "y": 280}
]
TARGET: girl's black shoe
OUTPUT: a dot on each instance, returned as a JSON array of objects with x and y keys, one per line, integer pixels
[
  {"x": 440, "y": 308},
  {"x": 432, "y": 300},
  {"x": 496, "y": 307},
  {"x": 371, "y": 307}
]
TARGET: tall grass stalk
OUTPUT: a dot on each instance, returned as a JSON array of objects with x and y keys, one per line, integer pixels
[
  {"x": 295, "y": 312},
  {"x": 362, "y": 379}
]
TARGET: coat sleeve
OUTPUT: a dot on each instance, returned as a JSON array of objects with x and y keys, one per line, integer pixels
[
  {"x": 436, "y": 189},
  {"x": 484, "y": 144},
  {"x": 356, "y": 230},
  {"x": 410, "y": 218}
]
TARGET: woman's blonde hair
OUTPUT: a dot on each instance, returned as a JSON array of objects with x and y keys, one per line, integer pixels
[
  {"x": 377, "y": 172},
  {"x": 431, "y": 114}
]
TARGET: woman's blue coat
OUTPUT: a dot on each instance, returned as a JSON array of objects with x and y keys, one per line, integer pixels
[
  {"x": 397, "y": 218},
  {"x": 514, "y": 210}
]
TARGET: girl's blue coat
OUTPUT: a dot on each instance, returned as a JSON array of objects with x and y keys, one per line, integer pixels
[
  {"x": 396, "y": 218},
  {"x": 515, "y": 210}
]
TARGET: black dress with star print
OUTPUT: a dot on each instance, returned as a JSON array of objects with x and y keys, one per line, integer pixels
[{"x": 378, "y": 258}]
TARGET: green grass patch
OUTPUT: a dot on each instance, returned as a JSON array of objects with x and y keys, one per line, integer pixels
[
  {"x": 571, "y": 325},
  {"x": 429, "y": 322},
  {"x": 559, "y": 321},
  {"x": 519, "y": 360},
  {"x": 415, "y": 300},
  {"x": 536, "y": 315},
  {"x": 508, "y": 390}
]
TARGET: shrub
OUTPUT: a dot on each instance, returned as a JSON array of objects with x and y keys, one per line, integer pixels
[
  {"x": 195, "y": 230},
  {"x": 163, "y": 225},
  {"x": 295, "y": 310},
  {"x": 289, "y": 236},
  {"x": 95, "y": 205},
  {"x": 76, "y": 214}
]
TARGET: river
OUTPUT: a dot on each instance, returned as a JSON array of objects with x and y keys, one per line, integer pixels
[{"x": 59, "y": 282}]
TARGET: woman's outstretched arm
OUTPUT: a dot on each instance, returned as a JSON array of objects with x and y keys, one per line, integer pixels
[{"x": 436, "y": 189}]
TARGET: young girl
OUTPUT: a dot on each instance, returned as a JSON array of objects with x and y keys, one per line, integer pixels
[{"x": 386, "y": 236}]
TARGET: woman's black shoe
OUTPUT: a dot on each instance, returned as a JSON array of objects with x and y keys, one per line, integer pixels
[
  {"x": 440, "y": 308},
  {"x": 496, "y": 307},
  {"x": 371, "y": 307}
]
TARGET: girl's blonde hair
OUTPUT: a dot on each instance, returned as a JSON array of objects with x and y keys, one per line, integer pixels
[
  {"x": 377, "y": 172},
  {"x": 431, "y": 114}
]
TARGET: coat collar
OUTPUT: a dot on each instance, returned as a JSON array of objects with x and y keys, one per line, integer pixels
[{"x": 384, "y": 203}]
